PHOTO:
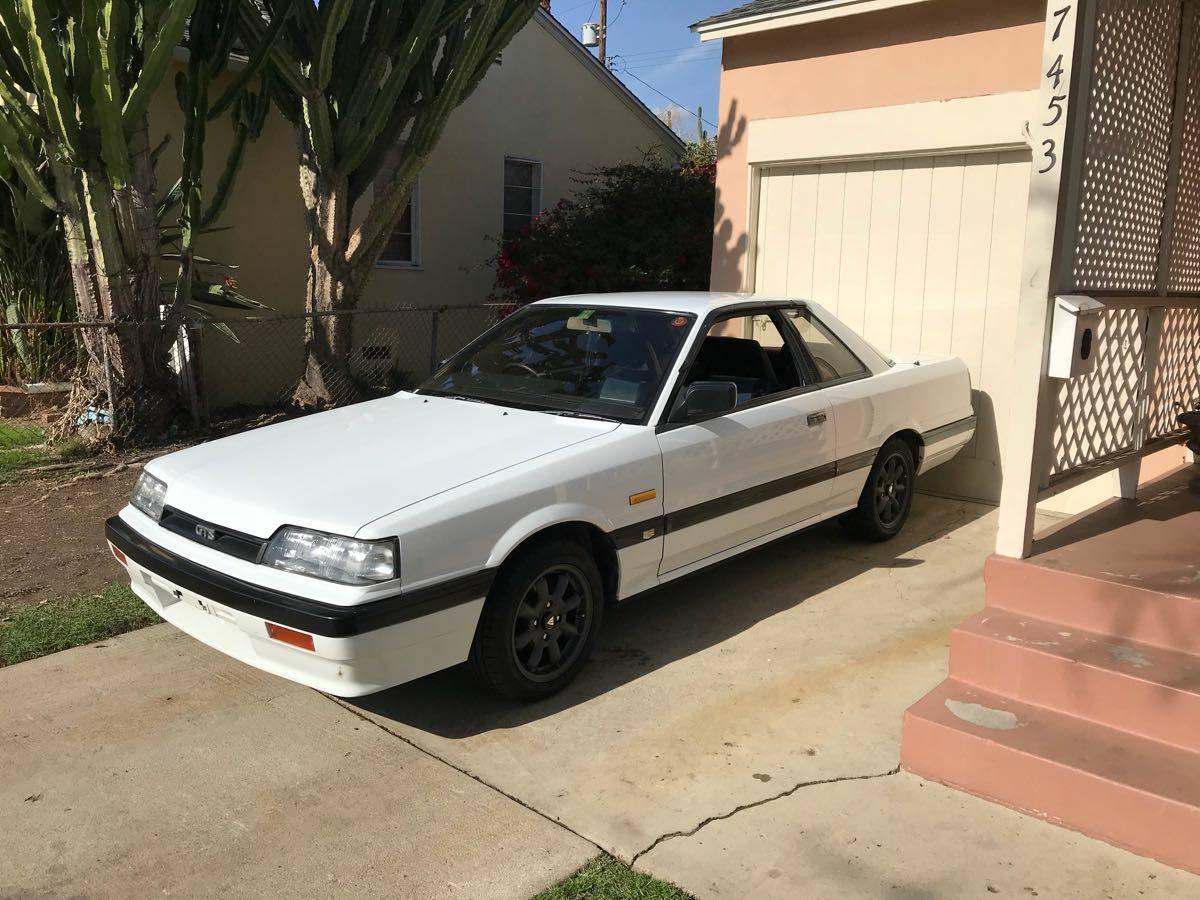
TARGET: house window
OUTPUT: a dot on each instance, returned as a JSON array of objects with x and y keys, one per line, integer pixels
[
  {"x": 522, "y": 194},
  {"x": 403, "y": 247},
  {"x": 403, "y": 244}
]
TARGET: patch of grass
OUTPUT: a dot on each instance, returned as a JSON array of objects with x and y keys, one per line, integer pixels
[
  {"x": 27, "y": 632},
  {"x": 25, "y": 452},
  {"x": 13, "y": 436},
  {"x": 606, "y": 878}
]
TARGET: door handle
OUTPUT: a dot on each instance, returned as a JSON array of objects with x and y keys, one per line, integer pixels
[{"x": 816, "y": 418}]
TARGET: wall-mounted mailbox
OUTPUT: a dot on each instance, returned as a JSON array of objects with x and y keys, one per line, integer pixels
[{"x": 1074, "y": 336}]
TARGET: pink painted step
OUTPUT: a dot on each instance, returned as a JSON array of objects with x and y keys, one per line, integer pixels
[
  {"x": 1120, "y": 684},
  {"x": 1162, "y": 611},
  {"x": 1136, "y": 793}
]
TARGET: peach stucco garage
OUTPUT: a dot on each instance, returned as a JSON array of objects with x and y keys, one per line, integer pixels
[{"x": 874, "y": 157}]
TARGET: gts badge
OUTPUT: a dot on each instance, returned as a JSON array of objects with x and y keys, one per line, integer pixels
[{"x": 205, "y": 533}]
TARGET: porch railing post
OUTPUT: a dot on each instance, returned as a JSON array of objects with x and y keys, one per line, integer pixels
[{"x": 1057, "y": 129}]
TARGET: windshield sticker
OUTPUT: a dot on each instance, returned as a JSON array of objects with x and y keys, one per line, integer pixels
[{"x": 679, "y": 321}]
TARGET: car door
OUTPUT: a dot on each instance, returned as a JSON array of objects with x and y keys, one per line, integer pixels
[
  {"x": 765, "y": 465},
  {"x": 845, "y": 380}
]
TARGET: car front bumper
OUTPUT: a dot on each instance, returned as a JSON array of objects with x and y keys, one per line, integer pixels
[{"x": 357, "y": 650}]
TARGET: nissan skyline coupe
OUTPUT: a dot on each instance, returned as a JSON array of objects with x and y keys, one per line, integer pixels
[{"x": 582, "y": 451}]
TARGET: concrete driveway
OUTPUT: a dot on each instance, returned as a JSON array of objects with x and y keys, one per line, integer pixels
[{"x": 737, "y": 733}]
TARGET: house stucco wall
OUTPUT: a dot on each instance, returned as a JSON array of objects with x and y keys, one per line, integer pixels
[
  {"x": 546, "y": 101},
  {"x": 939, "y": 50}
]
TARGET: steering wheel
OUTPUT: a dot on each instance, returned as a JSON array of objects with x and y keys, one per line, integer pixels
[{"x": 522, "y": 367}]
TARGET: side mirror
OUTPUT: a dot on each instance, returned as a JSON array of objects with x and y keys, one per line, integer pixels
[{"x": 705, "y": 398}]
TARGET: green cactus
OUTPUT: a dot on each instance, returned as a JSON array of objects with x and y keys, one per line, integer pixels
[
  {"x": 75, "y": 84},
  {"x": 353, "y": 77}
]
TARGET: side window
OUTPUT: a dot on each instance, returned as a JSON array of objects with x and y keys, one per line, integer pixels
[
  {"x": 403, "y": 246},
  {"x": 832, "y": 358},
  {"x": 522, "y": 194},
  {"x": 749, "y": 351}
]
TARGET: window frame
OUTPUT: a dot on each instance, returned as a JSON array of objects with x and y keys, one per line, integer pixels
[
  {"x": 414, "y": 204},
  {"x": 790, "y": 335},
  {"x": 737, "y": 311},
  {"x": 536, "y": 206},
  {"x": 810, "y": 362}
]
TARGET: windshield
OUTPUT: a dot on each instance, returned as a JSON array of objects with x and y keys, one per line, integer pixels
[{"x": 608, "y": 363}]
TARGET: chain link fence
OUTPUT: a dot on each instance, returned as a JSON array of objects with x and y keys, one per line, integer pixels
[{"x": 64, "y": 382}]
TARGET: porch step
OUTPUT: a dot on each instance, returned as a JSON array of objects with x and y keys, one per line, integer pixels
[
  {"x": 1164, "y": 613},
  {"x": 1137, "y": 688},
  {"x": 1136, "y": 793}
]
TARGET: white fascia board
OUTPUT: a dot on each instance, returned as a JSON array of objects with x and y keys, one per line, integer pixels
[{"x": 786, "y": 18}]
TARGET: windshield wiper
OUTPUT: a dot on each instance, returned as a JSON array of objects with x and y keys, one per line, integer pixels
[{"x": 575, "y": 414}]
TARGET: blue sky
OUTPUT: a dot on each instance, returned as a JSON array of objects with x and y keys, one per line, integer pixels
[{"x": 649, "y": 40}]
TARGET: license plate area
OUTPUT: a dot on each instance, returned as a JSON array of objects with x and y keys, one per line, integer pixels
[{"x": 169, "y": 594}]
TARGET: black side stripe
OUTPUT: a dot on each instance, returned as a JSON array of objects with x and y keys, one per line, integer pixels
[
  {"x": 947, "y": 431},
  {"x": 629, "y": 535},
  {"x": 720, "y": 506}
]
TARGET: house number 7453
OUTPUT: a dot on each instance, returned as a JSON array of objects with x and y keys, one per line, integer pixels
[{"x": 1055, "y": 107}]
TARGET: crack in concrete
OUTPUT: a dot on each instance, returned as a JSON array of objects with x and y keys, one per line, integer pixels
[
  {"x": 671, "y": 835},
  {"x": 476, "y": 778}
]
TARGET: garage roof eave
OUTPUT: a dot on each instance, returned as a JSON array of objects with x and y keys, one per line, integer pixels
[{"x": 766, "y": 15}]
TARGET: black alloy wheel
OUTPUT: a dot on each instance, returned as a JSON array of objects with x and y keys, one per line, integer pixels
[
  {"x": 887, "y": 496},
  {"x": 892, "y": 484},
  {"x": 552, "y": 623},
  {"x": 540, "y": 619}
]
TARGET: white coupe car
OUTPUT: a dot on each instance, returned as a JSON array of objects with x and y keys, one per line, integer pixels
[{"x": 583, "y": 450}]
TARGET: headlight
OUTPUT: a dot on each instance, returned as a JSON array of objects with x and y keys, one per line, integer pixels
[
  {"x": 149, "y": 494},
  {"x": 330, "y": 557}
]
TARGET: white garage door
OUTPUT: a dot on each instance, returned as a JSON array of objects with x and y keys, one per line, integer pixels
[{"x": 917, "y": 254}]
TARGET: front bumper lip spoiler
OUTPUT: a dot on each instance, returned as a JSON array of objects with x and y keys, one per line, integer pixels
[{"x": 312, "y": 616}]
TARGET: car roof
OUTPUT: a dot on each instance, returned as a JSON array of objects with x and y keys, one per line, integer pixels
[{"x": 697, "y": 302}]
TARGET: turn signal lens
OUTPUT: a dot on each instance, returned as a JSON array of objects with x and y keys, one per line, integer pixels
[{"x": 289, "y": 636}]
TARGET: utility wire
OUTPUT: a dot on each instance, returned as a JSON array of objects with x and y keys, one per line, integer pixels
[{"x": 625, "y": 70}]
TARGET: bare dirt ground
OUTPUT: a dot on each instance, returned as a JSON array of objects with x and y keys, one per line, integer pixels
[{"x": 52, "y": 536}]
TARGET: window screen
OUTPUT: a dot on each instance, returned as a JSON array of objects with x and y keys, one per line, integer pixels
[{"x": 522, "y": 194}]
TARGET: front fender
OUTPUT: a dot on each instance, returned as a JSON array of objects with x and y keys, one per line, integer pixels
[{"x": 539, "y": 520}]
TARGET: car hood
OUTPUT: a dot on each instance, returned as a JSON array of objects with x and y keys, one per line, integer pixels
[{"x": 336, "y": 471}]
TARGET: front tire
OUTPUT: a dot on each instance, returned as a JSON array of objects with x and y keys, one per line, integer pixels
[
  {"x": 540, "y": 620},
  {"x": 886, "y": 498}
]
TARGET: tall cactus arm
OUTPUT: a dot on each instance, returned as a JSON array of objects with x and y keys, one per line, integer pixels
[
  {"x": 21, "y": 161},
  {"x": 100, "y": 57},
  {"x": 251, "y": 115},
  {"x": 11, "y": 39},
  {"x": 320, "y": 130},
  {"x": 227, "y": 36},
  {"x": 158, "y": 58},
  {"x": 496, "y": 22},
  {"x": 348, "y": 56},
  {"x": 23, "y": 115},
  {"x": 283, "y": 63},
  {"x": 255, "y": 64},
  {"x": 333, "y": 18},
  {"x": 379, "y": 100},
  {"x": 48, "y": 69}
]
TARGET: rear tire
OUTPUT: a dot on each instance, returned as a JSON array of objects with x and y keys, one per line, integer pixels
[
  {"x": 540, "y": 620},
  {"x": 886, "y": 498}
]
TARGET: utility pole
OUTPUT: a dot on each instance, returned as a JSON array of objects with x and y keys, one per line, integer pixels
[{"x": 603, "y": 31}]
